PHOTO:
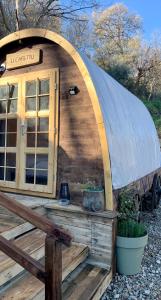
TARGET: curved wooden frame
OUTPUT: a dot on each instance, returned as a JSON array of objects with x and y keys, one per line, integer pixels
[{"x": 56, "y": 38}]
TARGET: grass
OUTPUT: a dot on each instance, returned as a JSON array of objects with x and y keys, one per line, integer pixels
[{"x": 130, "y": 228}]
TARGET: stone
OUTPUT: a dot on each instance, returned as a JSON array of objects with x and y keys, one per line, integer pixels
[{"x": 147, "y": 292}]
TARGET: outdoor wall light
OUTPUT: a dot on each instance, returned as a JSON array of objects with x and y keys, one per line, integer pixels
[
  {"x": 2, "y": 68},
  {"x": 73, "y": 90}
]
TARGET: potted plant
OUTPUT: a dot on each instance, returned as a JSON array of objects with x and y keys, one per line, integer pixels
[
  {"x": 93, "y": 198},
  {"x": 131, "y": 235}
]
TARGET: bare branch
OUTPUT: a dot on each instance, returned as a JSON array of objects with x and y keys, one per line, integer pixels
[{"x": 4, "y": 17}]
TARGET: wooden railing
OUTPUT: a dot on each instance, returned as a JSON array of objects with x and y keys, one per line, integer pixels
[{"x": 51, "y": 274}]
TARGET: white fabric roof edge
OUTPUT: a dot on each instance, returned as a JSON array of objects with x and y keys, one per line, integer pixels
[{"x": 131, "y": 134}]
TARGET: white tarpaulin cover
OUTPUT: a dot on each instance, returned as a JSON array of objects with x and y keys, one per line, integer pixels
[{"x": 133, "y": 142}]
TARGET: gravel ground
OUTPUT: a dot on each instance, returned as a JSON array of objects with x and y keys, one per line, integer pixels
[{"x": 146, "y": 284}]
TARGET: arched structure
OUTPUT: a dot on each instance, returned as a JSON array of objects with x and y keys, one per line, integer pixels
[
  {"x": 129, "y": 142},
  {"x": 46, "y": 34}
]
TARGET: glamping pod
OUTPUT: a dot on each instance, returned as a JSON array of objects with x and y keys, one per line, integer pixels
[{"x": 64, "y": 120}]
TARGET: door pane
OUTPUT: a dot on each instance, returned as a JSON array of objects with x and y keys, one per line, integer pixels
[
  {"x": 11, "y": 159},
  {"x": 3, "y": 107},
  {"x": 31, "y": 88},
  {"x": 42, "y": 140},
  {"x": 41, "y": 177},
  {"x": 12, "y": 125},
  {"x": 31, "y": 124},
  {"x": 30, "y": 160},
  {"x": 43, "y": 102},
  {"x": 43, "y": 124},
  {"x": 13, "y": 91},
  {"x": 11, "y": 139},
  {"x": 31, "y": 140},
  {"x": 29, "y": 176},
  {"x": 10, "y": 174},
  {"x": 1, "y": 159},
  {"x": 3, "y": 92},
  {"x": 42, "y": 161},
  {"x": 31, "y": 104},
  {"x": 12, "y": 106},
  {"x": 8, "y": 131},
  {"x": 2, "y": 125},
  {"x": 44, "y": 86},
  {"x": 2, "y": 140},
  {"x": 1, "y": 173}
]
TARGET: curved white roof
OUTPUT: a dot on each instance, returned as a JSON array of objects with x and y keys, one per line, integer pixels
[{"x": 131, "y": 134}]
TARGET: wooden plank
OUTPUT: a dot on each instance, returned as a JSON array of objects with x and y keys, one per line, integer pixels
[
  {"x": 31, "y": 216},
  {"x": 103, "y": 286},
  {"x": 53, "y": 269},
  {"x": 12, "y": 226},
  {"x": 73, "y": 258},
  {"x": 17, "y": 230},
  {"x": 114, "y": 235},
  {"x": 84, "y": 286},
  {"x": 22, "y": 258},
  {"x": 94, "y": 230},
  {"x": 15, "y": 269},
  {"x": 88, "y": 283},
  {"x": 28, "y": 243},
  {"x": 26, "y": 288},
  {"x": 79, "y": 234},
  {"x": 32, "y": 244},
  {"x": 70, "y": 219},
  {"x": 78, "y": 212},
  {"x": 30, "y": 287}
]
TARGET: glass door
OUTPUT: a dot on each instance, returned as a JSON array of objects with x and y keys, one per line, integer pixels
[
  {"x": 38, "y": 131},
  {"x": 28, "y": 121},
  {"x": 9, "y": 119}
]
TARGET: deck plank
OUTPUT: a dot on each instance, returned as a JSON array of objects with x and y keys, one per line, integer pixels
[{"x": 28, "y": 287}]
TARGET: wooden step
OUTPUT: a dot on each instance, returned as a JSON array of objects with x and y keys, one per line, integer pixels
[
  {"x": 12, "y": 226},
  {"x": 72, "y": 257},
  {"x": 87, "y": 282},
  {"x": 33, "y": 244}
]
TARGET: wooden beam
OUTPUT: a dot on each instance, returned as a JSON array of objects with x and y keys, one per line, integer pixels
[
  {"x": 34, "y": 218},
  {"x": 22, "y": 258},
  {"x": 53, "y": 269}
]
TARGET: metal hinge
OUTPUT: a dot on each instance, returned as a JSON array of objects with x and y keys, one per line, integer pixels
[{"x": 55, "y": 86}]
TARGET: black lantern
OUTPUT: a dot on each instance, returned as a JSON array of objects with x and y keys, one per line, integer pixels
[{"x": 64, "y": 194}]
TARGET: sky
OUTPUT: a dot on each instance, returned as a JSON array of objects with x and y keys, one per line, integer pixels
[{"x": 149, "y": 10}]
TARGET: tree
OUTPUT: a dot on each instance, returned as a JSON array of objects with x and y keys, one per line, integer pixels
[
  {"x": 122, "y": 53},
  {"x": 78, "y": 33},
  {"x": 18, "y": 14},
  {"x": 116, "y": 34}
]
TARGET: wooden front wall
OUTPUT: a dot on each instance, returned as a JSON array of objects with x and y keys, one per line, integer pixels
[
  {"x": 79, "y": 151},
  {"x": 94, "y": 230}
]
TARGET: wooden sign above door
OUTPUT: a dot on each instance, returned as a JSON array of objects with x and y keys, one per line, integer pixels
[{"x": 22, "y": 59}]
